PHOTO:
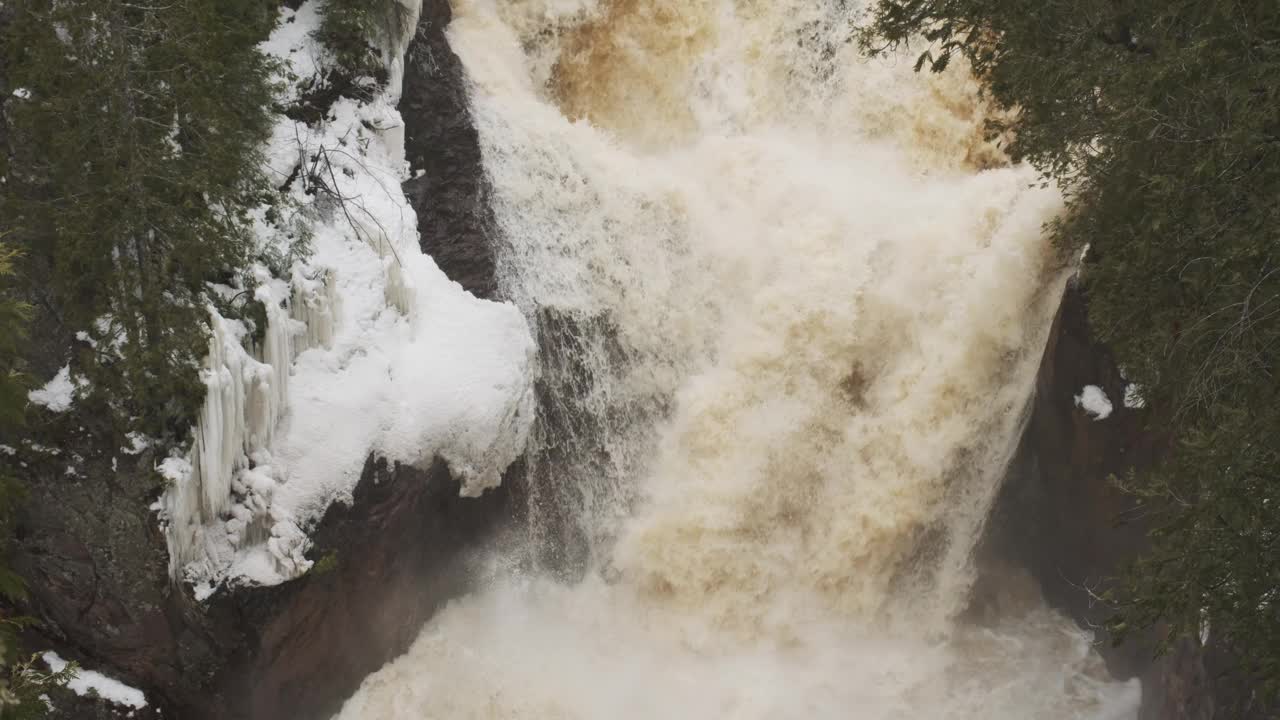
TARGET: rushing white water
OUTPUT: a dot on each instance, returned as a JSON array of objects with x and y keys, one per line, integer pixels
[{"x": 791, "y": 306}]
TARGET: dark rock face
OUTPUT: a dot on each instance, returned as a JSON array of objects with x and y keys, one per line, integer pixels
[
  {"x": 1058, "y": 514},
  {"x": 405, "y": 547},
  {"x": 385, "y": 565},
  {"x": 95, "y": 559},
  {"x": 441, "y": 143},
  {"x": 1061, "y": 519}
]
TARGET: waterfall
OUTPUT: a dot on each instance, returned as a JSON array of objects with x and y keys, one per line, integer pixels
[{"x": 791, "y": 306}]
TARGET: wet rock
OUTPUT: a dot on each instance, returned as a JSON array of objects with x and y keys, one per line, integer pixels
[
  {"x": 1061, "y": 519},
  {"x": 1059, "y": 514},
  {"x": 447, "y": 189},
  {"x": 1178, "y": 687},
  {"x": 384, "y": 565},
  {"x": 95, "y": 560}
]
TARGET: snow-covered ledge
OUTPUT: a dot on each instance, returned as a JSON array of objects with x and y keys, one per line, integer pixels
[{"x": 369, "y": 348}]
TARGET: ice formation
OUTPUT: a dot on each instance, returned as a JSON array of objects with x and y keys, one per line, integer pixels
[{"x": 368, "y": 347}]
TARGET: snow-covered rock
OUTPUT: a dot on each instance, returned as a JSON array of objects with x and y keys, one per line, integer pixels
[{"x": 369, "y": 348}]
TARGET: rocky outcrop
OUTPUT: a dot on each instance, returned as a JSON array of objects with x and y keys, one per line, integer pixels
[
  {"x": 448, "y": 188},
  {"x": 1061, "y": 518},
  {"x": 384, "y": 566},
  {"x": 1059, "y": 514},
  {"x": 98, "y": 575}
]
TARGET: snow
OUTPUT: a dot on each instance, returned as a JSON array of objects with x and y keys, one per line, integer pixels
[
  {"x": 137, "y": 443},
  {"x": 105, "y": 687},
  {"x": 369, "y": 347},
  {"x": 175, "y": 132},
  {"x": 316, "y": 305},
  {"x": 1094, "y": 401},
  {"x": 22, "y": 93},
  {"x": 57, "y": 393},
  {"x": 174, "y": 469},
  {"x": 292, "y": 42},
  {"x": 37, "y": 447},
  {"x": 108, "y": 330},
  {"x": 1133, "y": 397}
]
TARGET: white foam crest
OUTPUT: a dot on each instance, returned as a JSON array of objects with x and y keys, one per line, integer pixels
[{"x": 537, "y": 650}]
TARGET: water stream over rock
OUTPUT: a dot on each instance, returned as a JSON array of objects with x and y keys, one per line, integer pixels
[{"x": 791, "y": 307}]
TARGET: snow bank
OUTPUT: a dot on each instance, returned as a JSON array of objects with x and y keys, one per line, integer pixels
[
  {"x": 1095, "y": 402},
  {"x": 107, "y": 688},
  {"x": 388, "y": 356}
]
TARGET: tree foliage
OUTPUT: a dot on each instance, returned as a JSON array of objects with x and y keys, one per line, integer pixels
[
  {"x": 132, "y": 159},
  {"x": 24, "y": 688},
  {"x": 351, "y": 29},
  {"x": 357, "y": 31},
  {"x": 130, "y": 139},
  {"x": 21, "y": 682},
  {"x": 13, "y": 331},
  {"x": 1161, "y": 118}
]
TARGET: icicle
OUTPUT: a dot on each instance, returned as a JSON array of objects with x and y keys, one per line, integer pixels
[
  {"x": 179, "y": 509},
  {"x": 246, "y": 397},
  {"x": 269, "y": 378},
  {"x": 399, "y": 293},
  {"x": 200, "y": 486},
  {"x": 402, "y": 23},
  {"x": 220, "y": 428},
  {"x": 316, "y": 307}
]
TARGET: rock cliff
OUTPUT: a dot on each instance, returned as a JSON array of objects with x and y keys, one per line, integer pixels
[
  {"x": 1061, "y": 520},
  {"x": 448, "y": 190},
  {"x": 96, "y": 559}
]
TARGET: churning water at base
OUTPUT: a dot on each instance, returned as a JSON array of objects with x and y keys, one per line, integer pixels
[{"x": 791, "y": 306}]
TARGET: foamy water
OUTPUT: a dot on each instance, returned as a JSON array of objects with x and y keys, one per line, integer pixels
[{"x": 805, "y": 303}]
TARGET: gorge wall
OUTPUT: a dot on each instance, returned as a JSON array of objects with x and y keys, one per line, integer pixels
[
  {"x": 1061, "y": 520},
  {"x": 98, "y": 582},
  {"x": 95, "y": 556},
  {"x": 443, "y": 149}
]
